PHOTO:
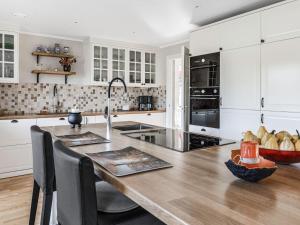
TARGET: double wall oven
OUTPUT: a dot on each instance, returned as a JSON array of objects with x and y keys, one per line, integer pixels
[{"x": 205, "y": 90}]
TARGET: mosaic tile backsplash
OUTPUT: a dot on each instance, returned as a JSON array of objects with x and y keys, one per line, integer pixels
[{"x": 32, "y": 98}]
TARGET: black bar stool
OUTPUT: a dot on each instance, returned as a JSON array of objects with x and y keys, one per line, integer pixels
[{"x": 43, "y": 173}]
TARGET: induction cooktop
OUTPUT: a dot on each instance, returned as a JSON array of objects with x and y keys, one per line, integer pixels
[{"x": 178, "y": 140}]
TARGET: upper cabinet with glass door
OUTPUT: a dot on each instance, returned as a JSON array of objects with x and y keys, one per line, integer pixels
[
  {"x": 118, "y": 63},
  {"x": 9, "y": 57},
  {"x": 150, "y": 68},
  {"x": 100, "y": 64},
  {"x": 135, "y": 67}
]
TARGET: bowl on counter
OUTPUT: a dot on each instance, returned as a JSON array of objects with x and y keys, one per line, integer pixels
[
  {"x": 75, "y": 118},
  {"x": 250, "y": 172},
  {"x": 280, "y": 157}
]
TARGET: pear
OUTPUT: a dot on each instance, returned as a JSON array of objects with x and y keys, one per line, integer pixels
[
  {"x": 297, "y": 141},
  {"x": 249, "y": 136},
  {"x": 261, "y": 132},
  {"x": 287, "y": 144},
  {"x": 272, "y": 143},
  {"x": 282, "y": 134},
  {"x": 296, "y": 137},
  {"x": 266, "y": 137}
]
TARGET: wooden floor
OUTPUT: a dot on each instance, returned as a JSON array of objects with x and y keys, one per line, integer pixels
[{"x": 15, "y": 200}]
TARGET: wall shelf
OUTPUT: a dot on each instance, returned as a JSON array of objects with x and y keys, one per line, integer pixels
[
  {"x": 66, "y": 74},
  {"x": 38, "y": 54}
]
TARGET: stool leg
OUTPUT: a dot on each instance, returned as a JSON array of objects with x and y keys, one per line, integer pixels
[
  {"x": 34, "y": 202},
  {"x": 46, "y": 210}
]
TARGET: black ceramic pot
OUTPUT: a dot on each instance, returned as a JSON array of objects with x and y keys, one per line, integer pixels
[{"x": 75, "y": 119}]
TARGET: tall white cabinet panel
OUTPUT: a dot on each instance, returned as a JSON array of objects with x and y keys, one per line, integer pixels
[
  {"x": 234, "y": 122},
  {"x": 205, "y": 41},
  {"x": 240, "y": 78},
  {"x": 240, "y": 32},
  {"x": 281, "y": 22},
  {"x": 282, "y": 121},
  {"x": 281, "y": 75}
]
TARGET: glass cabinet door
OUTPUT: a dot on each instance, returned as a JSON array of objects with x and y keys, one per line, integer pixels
[
  {"x": 100, "y": 64},
  {"x": 118, "y": 63},
  {"x": 135, "y": 67},
  {"x": 150, "y": 68},
  {"x": 7, "y": 57}
]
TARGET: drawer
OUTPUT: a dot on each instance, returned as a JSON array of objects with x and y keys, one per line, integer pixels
[
  {"x": 45, "y": 122},
  {"x": 15, "y": 158}
]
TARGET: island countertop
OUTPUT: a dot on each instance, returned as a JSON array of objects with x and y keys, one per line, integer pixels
[{"x": 199, "y": 189}]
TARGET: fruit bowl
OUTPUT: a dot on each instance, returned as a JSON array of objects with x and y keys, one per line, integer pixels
[
  {"x": 253, "y": 172},
  {"x": 280, "y": 157}
]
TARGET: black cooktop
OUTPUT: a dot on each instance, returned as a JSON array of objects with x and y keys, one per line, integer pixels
[{"x": 178, "y": 140}]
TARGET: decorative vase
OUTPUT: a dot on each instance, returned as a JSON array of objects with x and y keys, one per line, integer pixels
[
  {"x": 75, "y": 119},
  {"x": 67, "y": 68}
]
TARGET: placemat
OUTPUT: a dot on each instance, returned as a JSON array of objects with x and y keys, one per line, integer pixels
[
  {"x": 128, "y": 161},
  {"x": 87, "y": 138}
]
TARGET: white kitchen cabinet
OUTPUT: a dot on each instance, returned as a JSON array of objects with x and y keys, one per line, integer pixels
[
  {"x": 48, "y": 122},
  {"x": 15, "y": 159},
  {"x": 206, "y": 40},
  {"x": 281, "y": 22},
  {"x": 9, "y": 57},
  {"x": 240, "y": 32},
  {"x": 16, "y": 132},
  {"x": 281, "y": 75},
  {"x": 234, "y": 122},
  {"x": 156, "y": 119},
  {"x": 231, "y": 34},
  {"x": 89, "y": 119},
  {"x": 100, "y": 119},
  {"x": 240, "y": 78},
  {"x": 281, "y": 121}
]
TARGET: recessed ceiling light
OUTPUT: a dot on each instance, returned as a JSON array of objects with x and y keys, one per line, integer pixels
[
  {"x": 197, "y": 6},
  {"x": 134, "y": 33},
  {"x": 23, "y": 15},
  {"x": 75, "y": 22}
]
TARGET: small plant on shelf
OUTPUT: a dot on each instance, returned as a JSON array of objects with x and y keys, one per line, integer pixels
[{"x": 67, "y": 62}]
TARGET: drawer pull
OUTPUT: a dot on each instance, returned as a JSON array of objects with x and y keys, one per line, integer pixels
[
  {"x": 149, "y": 114},
  {"x": 115, "y": 116},
  {"x": 14, "y": 121},
  {"x": 61, "y": 118},
  {"x": 204, "y": 130}
]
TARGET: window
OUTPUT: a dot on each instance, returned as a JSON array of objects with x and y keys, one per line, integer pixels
[
  {"x": 118, "y": 63},
  {"x": 100, "y": 64},
  {"x": 150, "y": 69},
  {"x": 7, "y": 55},
  {"x": 135, "y": 69}
]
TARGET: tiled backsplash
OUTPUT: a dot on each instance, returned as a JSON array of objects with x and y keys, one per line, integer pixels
[{"x": 32, "y": 98}]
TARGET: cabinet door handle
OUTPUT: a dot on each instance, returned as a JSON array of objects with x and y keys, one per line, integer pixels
[
  {"x": 262, "y": 41},
  {"x": 149, "y": 114},
  {"x": 204, "y": 130},
  {"x": 262, "y": 118},
  {"x": 62, "y": 118},
  {"x": 86, "y": 120},
  {"x": 115, "y": 116},
  {"x": 14, "y": 121},
  {"x": 221, "y": 49},
  {"x": 262, "y": 102}
]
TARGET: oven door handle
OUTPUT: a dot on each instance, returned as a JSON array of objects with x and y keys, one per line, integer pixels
[{"x": 198, "y": 97}]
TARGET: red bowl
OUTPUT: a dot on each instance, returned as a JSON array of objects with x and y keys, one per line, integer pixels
[{"x": 281, "y": 157}]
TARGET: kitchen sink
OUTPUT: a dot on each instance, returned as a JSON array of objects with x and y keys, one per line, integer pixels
[{"x": 133, "y": 127}]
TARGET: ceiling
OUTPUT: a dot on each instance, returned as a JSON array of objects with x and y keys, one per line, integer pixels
[{"x": 151, "y": 22}]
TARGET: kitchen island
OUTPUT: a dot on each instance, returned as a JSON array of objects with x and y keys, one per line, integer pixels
[{"x": 199, "y": 189}]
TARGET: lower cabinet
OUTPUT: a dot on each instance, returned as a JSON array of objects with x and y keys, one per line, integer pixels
[
  {"x": 15, "y": 160},
  {"x": 234, "y": 122},
  {"x": 44, "y": 122},
  {"x": 281, "y": 121}
]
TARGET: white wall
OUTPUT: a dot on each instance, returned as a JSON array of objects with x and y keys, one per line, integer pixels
[
  {"x": 28, "y": 44},
  {"x": 162, "y": 60}
]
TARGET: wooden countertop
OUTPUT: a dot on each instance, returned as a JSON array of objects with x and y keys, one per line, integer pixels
[
  {"x": 199, "y": 189},
  {"x": 54, "y": 115}
]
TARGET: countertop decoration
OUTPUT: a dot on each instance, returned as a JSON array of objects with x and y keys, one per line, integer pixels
[
  {"x": 262, "y": 170},
  {"x": 280, "y": 147}
]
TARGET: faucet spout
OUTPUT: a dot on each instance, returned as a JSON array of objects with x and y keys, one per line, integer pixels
[{"x": 107, "y": 108}]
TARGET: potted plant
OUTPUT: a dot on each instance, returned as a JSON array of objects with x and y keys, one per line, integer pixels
[{"x": 67, "y": 62}]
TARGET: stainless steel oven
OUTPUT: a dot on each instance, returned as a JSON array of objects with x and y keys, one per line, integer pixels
[
  {"x": 205, "y": 71},
  {"x": 205, "y": 107}
]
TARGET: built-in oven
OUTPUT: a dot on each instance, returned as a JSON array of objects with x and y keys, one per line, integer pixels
[
  {"x": 205, "y": 71},
  {"x": 205, "y": 107}
]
